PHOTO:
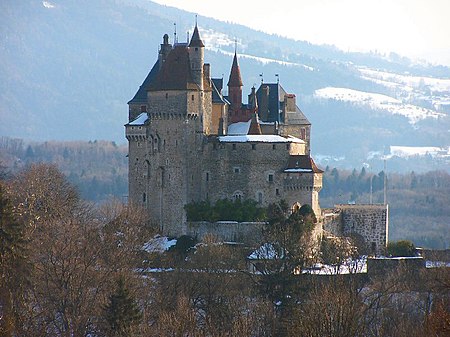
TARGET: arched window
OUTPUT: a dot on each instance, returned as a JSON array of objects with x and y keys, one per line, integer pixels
[
  {"x": 260, "y": 197},
  {"x": 238, "y": 195},
  {"x": 144, "y": 197}
]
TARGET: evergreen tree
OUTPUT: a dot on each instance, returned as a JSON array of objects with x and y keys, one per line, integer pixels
[{"x": 122, "y": 311}]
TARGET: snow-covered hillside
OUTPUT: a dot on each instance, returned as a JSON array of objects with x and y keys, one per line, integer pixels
[
  {"x": 378, "y": 102},
  {"x": 433, "y": 92}
]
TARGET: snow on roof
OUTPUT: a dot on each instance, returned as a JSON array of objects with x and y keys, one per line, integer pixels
[
  {"x": 297, "y": 170},
  {"x": 260, "y": 139},
  {"x": 240, "y": 128},
  {"x": 140, "y": 120},
  {"x": 266, "y": 252}
]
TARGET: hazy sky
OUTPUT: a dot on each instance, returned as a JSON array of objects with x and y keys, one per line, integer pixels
[{"x": 415, "y": 28}]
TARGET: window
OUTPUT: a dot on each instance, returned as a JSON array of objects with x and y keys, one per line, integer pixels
[
  {"x": 253, "y": 146},
  {"x": 277, "y": 191},
  {"x": 207, "y": 176},
  {"x": 237, "y": 169},
  {"x": 260, "y": 197},
  {"x": 288, "y": 146},
  {"x": 270, "y": 178},
  {"x": 238, "y": 195},
  {"x": 167, "y": 95},
  {"x": 274, "y": 147},
  {"x": 192, "y": 97},
  {"x": 144, "y": 197},
  {"x": 234, "y": 146}
]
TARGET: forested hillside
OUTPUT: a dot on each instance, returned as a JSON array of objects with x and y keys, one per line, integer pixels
[
  {"x": 98, "y": 169},
  {"x": 418, "y": 203}
]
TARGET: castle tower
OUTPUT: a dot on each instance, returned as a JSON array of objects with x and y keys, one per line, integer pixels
[
  {"x": 235, "y": 85},
  {"x": 196, "y": 57}
]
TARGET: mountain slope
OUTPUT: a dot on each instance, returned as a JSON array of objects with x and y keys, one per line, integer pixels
[{"x": 69, "y": 67}]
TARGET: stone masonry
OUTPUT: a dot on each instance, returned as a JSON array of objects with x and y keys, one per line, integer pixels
[{"x": 369, "y": 221}]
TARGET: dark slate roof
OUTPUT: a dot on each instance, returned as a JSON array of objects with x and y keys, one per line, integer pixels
[
  {"x": 276, "y": 92},
  {"x": 235, "y": 79},
  {"x": 141, "y": 94},
  {"x": 302, "y": 163},
  {"x": 175, "y": 73},
  {"x": 276, "y": 102},
  {"x": 196, "y": 41},
  {"x": 217, "y": 97}
]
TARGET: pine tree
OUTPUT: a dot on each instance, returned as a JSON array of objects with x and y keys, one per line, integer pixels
[{"x": 122, "y": 311}]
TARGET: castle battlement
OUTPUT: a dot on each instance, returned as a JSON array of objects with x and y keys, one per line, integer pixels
[{"x": 190, "y": 142}]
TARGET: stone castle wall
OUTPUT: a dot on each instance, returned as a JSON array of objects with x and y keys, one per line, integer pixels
[
  {"x": 368, "y": 221},
  {"x": 227, "y": 231}
]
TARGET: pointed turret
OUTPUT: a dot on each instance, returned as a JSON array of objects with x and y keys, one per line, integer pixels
[
  {"x": 255, "y": 128},
  {"x": 235, "y": 79},
  {"x": 235, "y": 85},
  {"x": 196, "y": 56},
  {"x": 196, "y": 41}
]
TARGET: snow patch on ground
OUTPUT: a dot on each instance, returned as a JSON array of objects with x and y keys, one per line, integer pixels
[
  {"x": 378, "y": 102},
  {"x": 412, "y": 151},
  {"x": 406, "y": 81},
  {"x": 348, "y": 267},
  {"x": 159, "y": 244}
]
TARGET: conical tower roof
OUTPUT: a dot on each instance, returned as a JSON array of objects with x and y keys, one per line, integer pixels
[
  {"x": 235, "y": 74},
  {"x": 196, "y": 41},
  {"x": 255, "y": 128}
]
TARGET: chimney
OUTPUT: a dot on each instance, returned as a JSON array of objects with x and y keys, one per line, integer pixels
[
  {"x": 264, "y": 102},
  {"x": 207, "y": 71},
  {"x": 289, "y": 103}
]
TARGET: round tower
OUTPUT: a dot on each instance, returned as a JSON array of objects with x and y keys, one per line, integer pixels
[{"x": 196, "y": 57}]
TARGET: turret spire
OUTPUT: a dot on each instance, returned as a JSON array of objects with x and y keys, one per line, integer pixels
[
  {"x": 196, "y": 41},
  {"x": 235, "y": 79}
]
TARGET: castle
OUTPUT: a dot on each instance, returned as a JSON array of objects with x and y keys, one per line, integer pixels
[{"x": 189, "y": 142}]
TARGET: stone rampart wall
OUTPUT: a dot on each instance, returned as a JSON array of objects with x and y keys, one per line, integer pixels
[
  {"x": 228, "y": 231},
  {"x": 368, "y": 221}
]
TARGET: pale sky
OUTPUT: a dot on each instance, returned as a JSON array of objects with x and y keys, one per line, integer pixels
[{"x": 414, "y": 28}]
